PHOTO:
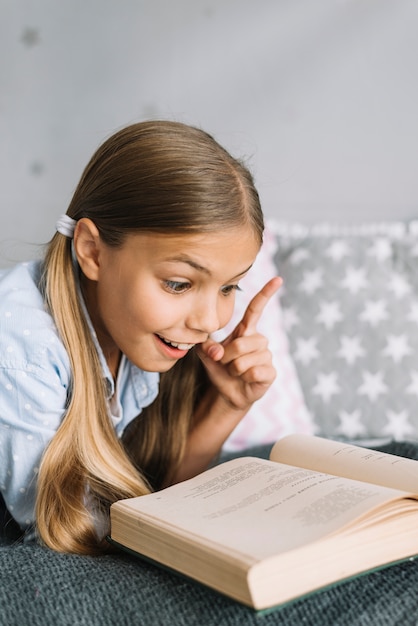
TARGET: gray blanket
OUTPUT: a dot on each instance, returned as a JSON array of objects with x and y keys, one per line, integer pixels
[{"x": 39, "y": 587}]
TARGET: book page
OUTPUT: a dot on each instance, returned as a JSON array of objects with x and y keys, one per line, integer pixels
[
  {"x": 255, "y": 507},
  {"x": 335, "y": 457}
]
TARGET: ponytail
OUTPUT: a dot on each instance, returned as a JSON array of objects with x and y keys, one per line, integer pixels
[{"x": 85, "y": 459}]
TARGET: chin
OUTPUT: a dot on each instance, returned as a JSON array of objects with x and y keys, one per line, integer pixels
[{"x": 160, "y": 368}]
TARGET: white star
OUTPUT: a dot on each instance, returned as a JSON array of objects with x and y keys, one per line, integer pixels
[
  {"x": 374, "y": 312},
  {"x": 350, "y": 349},
  {"x": 413, "y": 313},
  {"x": 326, "y": 386},
  {"x": 355, "y": 279},
  {"x": 311, "y": 281},
  {"x": 306, "y": 350},
  {"x": 399, "y": 285},
  {"x": 290, "y": 318},
  {"x": 372, "y": 386},
  {"x": 397, "y": 347},
  {"x": 381, "y": 249},
  {"x": 299, "y": 255},
  {"x": 337, "y": 250},
  {"x": 329, "y": 314},
  {"x": 351, "y": 425},
  {"x": 398, "y": 425},
  {"x": 413, "y": 387}
]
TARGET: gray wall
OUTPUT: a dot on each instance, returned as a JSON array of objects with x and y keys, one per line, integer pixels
[{"x": 321, "y": 97}]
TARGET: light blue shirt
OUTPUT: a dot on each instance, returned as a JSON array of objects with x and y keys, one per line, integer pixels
[{"x": 35, "y": 377}]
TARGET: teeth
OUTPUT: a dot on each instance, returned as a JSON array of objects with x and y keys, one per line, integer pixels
[{"x": 180, "y": 346}]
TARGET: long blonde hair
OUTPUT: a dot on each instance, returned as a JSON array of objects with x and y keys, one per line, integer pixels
[{"x": 158, "y": 176}]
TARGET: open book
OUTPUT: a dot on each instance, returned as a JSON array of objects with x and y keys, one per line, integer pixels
[{"x": 266, "y": 532}]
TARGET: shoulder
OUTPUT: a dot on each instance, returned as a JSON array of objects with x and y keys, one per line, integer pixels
[
  {"x": 28, "y": 336},
  {"x": 20, "y": 291}
]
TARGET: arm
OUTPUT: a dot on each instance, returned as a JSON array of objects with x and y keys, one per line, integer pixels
[
  {"x": 240, "y": 370},
  {"x": 32, "y": 404}
]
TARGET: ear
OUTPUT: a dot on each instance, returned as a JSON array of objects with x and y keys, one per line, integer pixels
[{"x": 87, "y": 245}]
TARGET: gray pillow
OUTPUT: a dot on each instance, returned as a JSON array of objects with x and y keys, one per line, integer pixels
[{"x": 350, "y": 306}]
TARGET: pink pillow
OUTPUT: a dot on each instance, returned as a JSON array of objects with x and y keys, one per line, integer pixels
[{"x": 282, "y": 409}]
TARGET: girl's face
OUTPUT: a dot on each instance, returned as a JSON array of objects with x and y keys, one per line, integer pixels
[{"x": 158, "y": 295}]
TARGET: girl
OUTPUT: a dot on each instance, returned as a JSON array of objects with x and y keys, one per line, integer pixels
[{"x": 110, "y": 383}]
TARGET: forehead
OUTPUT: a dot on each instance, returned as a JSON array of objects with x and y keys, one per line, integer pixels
[{"x": 231, "y": 248}]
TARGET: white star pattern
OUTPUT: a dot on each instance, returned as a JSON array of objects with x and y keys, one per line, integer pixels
[
  {"x": 374, "y": 312},
  {"x": 373, "y": 386},
  {"x": 399, "y": 285},
  {"x": 398, "y": 425},
  {"x": 353, "y": 328},
  {"x": 381, "y": 250},
  {"x": 299, "y": 256},
  {"x": 290, "y": 318},
  {"x": 413, "y": 313},
  {"x": 413, "y": 387},
  {"x": 350, "y": 424},
  {"x": 326, "y": 386},
  {"x": 355, "y": 279},
  {"x": 329, "y": 314},
  {"x": 312, "y": 280},
  {"x": 350, "y": 349},
  {"x": 337, "y": 250},
  {"x": 306, "y": 350},
  {"x": 397, "y": 347}
]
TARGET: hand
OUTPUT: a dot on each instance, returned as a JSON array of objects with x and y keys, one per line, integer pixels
[{"x": 240, "y": 367}]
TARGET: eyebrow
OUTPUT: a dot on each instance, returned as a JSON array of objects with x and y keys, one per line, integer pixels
[{"x": 183, "y": 258}]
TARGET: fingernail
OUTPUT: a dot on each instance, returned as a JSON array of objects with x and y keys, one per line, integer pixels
[{"x": 214, "y": 352}]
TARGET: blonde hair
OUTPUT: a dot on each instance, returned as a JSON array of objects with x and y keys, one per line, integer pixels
[{"x": 158, "y": 176}]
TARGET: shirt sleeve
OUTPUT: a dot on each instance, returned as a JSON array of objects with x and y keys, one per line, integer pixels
[
  {"x": 32, "y": 405},
  {"x": 35, "y": 377}
]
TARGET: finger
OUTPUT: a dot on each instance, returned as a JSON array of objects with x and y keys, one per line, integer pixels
[
  {"x": 244, "y": 345},
  {"x": 210, "y": 349},
  {"x": 260, "y": 375},
  {"x": 246, "y": 362},
  {"x": 255, "y": 309}
]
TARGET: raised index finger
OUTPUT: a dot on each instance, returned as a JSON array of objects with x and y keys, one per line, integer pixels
[{"x": 254, "y": 310}]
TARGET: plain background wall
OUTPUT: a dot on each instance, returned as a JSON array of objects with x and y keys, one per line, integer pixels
[{"x": 319, "y": 96}]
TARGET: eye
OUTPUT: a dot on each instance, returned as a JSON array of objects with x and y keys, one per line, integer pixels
[
  {"x": 227, "y": 289},
  {"x": 176, "y": 286}
]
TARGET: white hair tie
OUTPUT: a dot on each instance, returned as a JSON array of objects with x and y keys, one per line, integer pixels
[{"x": 66, "y": 225}]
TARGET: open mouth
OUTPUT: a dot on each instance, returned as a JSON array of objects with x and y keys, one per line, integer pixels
[{"x": 173, "y": 344}]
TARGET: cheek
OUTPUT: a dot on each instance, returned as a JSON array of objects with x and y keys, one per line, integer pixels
[
  {"x": 149, "y": 312},
  {"x": 131, "y": 301}
]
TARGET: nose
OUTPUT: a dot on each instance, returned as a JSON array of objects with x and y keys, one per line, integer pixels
[{"x": 205, "y": 315}]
